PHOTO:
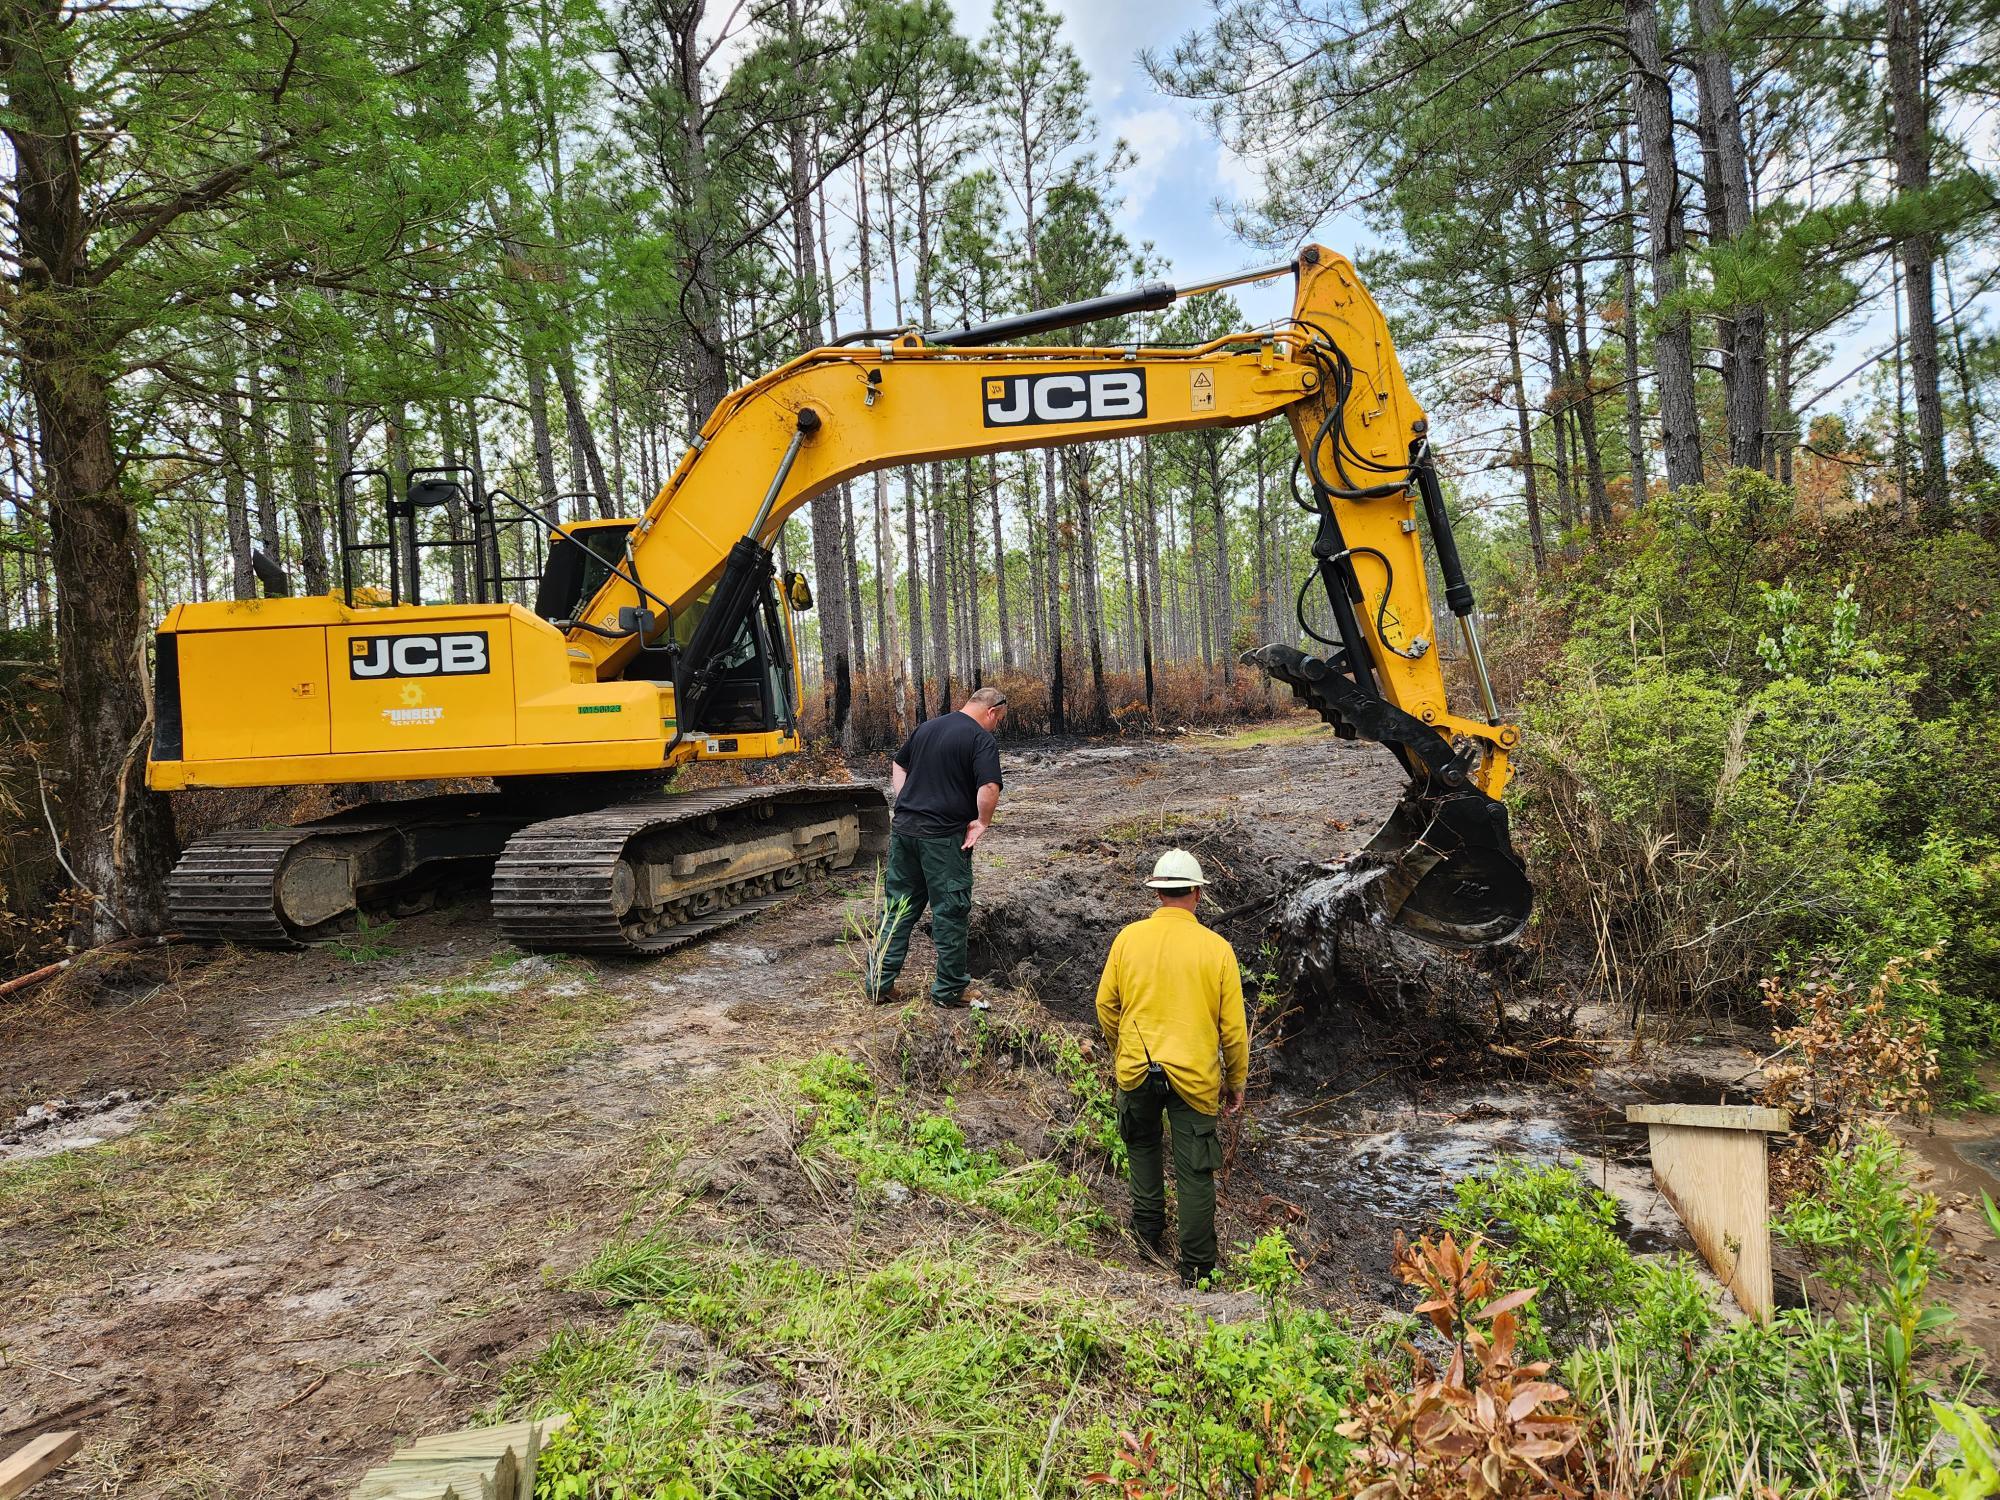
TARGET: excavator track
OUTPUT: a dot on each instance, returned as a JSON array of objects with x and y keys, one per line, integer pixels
[
  {"x": 290, "y": 887},
  {"x": 648, "y": 877}
]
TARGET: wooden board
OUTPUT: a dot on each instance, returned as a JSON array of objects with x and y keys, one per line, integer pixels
[
  {"x": 1711, "y": 1116},
  {"x": 473, "y": 1478},
  {"x": 474, "y": 1463},
  {"x": 1719, "y": 1183},
  {"x": 519, "y": 1440},
  {"x": 39, "y": 1459}
]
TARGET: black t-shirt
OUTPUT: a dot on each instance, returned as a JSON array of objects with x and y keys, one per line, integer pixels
[{"x": 945, "y": 763}]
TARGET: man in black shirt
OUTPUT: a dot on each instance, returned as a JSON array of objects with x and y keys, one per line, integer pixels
[{"x": 946, "y": 782}]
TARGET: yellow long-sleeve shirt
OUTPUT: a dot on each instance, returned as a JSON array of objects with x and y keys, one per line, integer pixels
[{"x": 1171, "y": 989}]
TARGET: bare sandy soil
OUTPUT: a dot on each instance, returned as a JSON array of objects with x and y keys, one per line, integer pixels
[{"x": 327, "y": 1295}]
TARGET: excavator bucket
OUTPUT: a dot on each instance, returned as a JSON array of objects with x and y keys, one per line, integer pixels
[
  {"x": 1448, "y": 873},
  {"x": 1442, "y": 868}
]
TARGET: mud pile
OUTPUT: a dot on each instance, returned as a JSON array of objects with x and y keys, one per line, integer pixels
[{"x": 1049, "y": 935}]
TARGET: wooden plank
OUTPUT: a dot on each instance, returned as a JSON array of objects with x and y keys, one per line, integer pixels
[
  {"x": 1719, "y": 1183},
  {"x": 474, "y": 1479},
  {"x": 39, "y": 1459},
  {"x": 473, "y": 1463},
  {"x": 522, "y": 1440},
  {"x": 1711, "y": 1116}
]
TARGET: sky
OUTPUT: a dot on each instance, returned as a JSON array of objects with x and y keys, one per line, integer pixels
[{"x": 1182, "y": 171}]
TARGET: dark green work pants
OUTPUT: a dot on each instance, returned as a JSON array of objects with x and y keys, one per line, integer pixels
[
  {"x": 937, "y": 873},
  {"x": 1197, "y": 1154}
]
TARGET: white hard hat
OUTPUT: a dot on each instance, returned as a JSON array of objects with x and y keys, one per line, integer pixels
[{"x": 1176, "y": 868}]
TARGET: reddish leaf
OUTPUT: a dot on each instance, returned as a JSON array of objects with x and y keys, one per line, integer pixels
[{"x": 1507, "y": 1303}]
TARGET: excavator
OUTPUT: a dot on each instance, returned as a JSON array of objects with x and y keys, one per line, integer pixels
[{"x": 670, "y": 639}]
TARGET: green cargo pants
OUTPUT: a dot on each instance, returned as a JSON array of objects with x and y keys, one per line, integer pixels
[
  {"x": 1197, "y": 1155},
  {"x": 937, "y": 873}
]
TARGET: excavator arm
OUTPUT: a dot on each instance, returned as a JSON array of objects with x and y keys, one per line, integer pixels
[{"x": 1444, "y": 865}]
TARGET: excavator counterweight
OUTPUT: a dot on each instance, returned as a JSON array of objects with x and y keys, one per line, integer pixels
[{"x": 668, "y": 638}]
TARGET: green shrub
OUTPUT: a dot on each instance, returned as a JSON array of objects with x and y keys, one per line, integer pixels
[
  {"x": 1551, "y": 1230},
  {"x": 1756, "y": 744},
  {"x": 1869, "y": 1236}
]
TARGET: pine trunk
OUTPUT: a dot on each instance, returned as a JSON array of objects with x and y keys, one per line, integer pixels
[
  {"x": 1635, "y": 405},
  {"x": 118, "y": 837},
  {"x": 539, "y": 435},
  {"x": 1000, "y": 567},
  {"x": 1673, "y": 345},
  {"x": 235, "y": 498},
  {"x": 1530, "y": 487},
  {"x": 1910, "y": 153},
  {"x": 1745, "y": 378},
  {"x": 586, "y": 463}
]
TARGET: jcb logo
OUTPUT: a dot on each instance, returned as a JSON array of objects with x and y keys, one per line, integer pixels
[
  {"x": 458, "y": 655},
  {"x": 1034, "y": 400}
]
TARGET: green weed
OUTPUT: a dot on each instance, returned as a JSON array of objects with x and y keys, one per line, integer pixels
[
  {"x": 1975, "y": 1473},
  {"x": 368, "y": 943},
  {"x": 1095, "y": 1126},
  {"x": 930, "y": 1154},
  {"x": 865, "y": 928}
]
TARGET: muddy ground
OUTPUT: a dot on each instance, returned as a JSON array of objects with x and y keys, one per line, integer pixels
[{"x": 276, "y": 1341}]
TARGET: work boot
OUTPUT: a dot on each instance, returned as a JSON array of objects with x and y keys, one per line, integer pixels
[
  {"x": 968, "y": 998},
  {"x": 1193, "y": 1276},
  {"x": 884, "y": 996}
]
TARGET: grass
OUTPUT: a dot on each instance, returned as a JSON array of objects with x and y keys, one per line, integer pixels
[
  {"x": 954, "y": 1368},
  {"x": 1146, "y": 827},
  {"x": 920, "y": 1353},
  {"x": 335, "y": 1093},
  {"x": 929, "y": 1153},
  {"x": 937, "y": 1373}
]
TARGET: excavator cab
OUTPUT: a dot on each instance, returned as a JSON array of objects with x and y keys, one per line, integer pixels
[
  {"x": 755, "y": 687},
  {"x": 580, "y": 561}
]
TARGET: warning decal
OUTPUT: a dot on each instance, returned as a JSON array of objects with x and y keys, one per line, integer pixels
[{"x": 1203, "y": 393}]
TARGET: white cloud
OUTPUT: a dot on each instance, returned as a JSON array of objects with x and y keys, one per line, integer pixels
[
  {"x": 1238, "y": 177},
  {"x": 1160, "y": 140}
]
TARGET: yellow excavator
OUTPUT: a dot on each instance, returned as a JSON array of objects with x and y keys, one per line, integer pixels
[{"x": 668, "y": 639}]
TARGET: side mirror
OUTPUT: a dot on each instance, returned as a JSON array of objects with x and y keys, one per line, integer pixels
[
  {"x": 798, "y": 592},
  {"x": 427, "y": 493}
]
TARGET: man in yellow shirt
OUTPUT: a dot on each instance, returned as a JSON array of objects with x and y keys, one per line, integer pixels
[{"x": 1171, "y": 1008}]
